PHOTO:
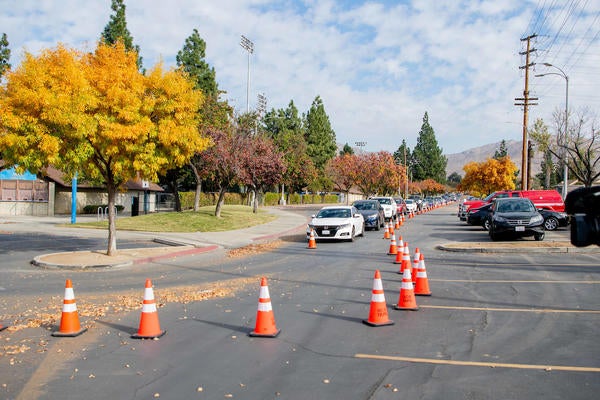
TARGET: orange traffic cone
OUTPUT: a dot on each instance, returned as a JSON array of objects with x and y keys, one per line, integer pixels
[
  {"x": 397, "y": 222},
  {"x": 378, "y": 315},
  {"x": 69, "y": 320},
  {"x": 386, "y": 231},
  {"x": 415, "y": 265},
  {"x": 407, "y": 300},
  {"x": 400, "y": 245},
  {"x": 393, "y": 247},
  {"x": 422, "y": 285},
  {"x": 265, "y": 319},
  {"x": 405, "y": 262},
  {"x": 401, "y": 220},
  {"x": 312, "y": 242},
  {"x": 149, "y": 325},
  {"x": 391, "y": 227}
]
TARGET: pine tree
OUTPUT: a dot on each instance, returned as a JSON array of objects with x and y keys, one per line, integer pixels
[
  {"x": 116, "y": 30},
  {"x": 191, "y": 58},
  {"x": 428, "y": 160},
  {"x": 346, "y": 150},
  {"x": 320, "y": 137},
  {"x": 4, "y": 55},
  {"x": 402, "y": 156},
  {"x": 502, "y": 151}
]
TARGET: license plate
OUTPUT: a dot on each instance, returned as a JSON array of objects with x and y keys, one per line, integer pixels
[
  {"x": 519, "y": 228},
  {"x": 325, "y": 232}
]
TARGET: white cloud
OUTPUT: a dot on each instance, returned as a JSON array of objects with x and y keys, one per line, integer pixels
[{"x": 377, "y": 65}]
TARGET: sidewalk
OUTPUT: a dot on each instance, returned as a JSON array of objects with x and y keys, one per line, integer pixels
[{"x": 174, "y": 244}]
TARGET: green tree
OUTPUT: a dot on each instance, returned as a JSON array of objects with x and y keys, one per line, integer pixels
[
  {"x": 454, "y": 179},
  {"x": 402, "y": 156},
  {"x": 428, "y": 160},
  {"x": 116, "y": 30},
  {"x": 191, "y": 59},
  {"x": 4, "y": 55},
  {"x": 502, "y": 151},
  {"x": 346, "y": 150},
  {"x": 213, "y": 113},
  {"x": 542, "y": 138},
  {"x": 320, "y": 137}
]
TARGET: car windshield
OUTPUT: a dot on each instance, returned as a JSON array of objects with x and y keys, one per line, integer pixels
[
  {"x": 365, "y": 206},
  {"x": 515, "y": 206},
  {"x": 409, "y": 201},
  {"x": 384, "y": 201},
  {"x": 334, "y": 213}
]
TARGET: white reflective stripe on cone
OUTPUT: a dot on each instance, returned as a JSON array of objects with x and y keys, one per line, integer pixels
[
  {"x": 149, "y": 307},
  {"x": 264, "y": 292},
  {"x": 69, "y": 294},
  {"x": 377, "y": 284},
  {"x": 407, "y": 285},
  {"x": 378, "y": 298},
  {"x": 69, "y": 307},
  {"x": 265, "y": 306},
  {"x": 148, "y": 294}
]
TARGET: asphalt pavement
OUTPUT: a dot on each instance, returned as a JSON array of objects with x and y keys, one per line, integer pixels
[{"x": 171, "y": 245}]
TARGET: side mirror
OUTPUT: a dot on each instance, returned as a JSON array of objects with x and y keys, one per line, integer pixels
[{"x": 313, "y": 216}]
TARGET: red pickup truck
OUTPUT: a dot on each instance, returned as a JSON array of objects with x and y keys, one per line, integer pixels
[{"x": 546, "y": 199}]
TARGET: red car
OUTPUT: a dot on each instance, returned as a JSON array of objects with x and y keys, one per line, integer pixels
[{"x": 400, "y": 205}]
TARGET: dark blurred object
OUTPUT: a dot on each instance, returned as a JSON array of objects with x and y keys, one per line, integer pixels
[{"x": 583, "y": 205}]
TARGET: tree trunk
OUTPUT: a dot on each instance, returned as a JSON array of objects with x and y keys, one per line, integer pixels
[
  {"x": 197, "y": 196},
  {"x": 220, "y": 201},
  {"x": 255, "y": 202},
  {"x": 112, "y": 226},
  {"x": 198, "y": 187}
]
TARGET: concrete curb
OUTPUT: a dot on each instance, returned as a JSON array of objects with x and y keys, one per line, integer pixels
[{"x": 489, "y": 248}]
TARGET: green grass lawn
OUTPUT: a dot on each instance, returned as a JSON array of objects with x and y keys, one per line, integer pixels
[{"x": 232, "y": 217}]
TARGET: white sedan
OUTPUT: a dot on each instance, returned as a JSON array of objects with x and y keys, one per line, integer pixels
[
  {"x": 411, "y": 205},
  {"x": 337, "y": 222}
]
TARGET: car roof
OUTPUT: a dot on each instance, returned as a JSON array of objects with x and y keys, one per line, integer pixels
[
  {"x": 338, "y": 207},
  {"x": 366, "y": 201}
]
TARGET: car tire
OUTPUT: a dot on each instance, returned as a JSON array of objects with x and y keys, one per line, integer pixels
[
  {"x": 486, "y": 224},
  {"x": 493, "y": 235},
  {"x": 378, "y": 225},
  {"x": 539, "y": 237},
  {"x": 362, "y": 232},
  {"x": 352, "y": 235},
  {"x": 551, "y": 224}
]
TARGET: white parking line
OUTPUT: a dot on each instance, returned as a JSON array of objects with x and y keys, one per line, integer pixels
[{"x": 479, "y": 364}]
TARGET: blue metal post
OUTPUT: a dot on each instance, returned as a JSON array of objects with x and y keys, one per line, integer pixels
[{"x": 74, "y": 199}]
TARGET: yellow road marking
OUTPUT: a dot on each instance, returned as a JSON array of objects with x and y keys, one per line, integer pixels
[
  {"x": 478, "y": 363},
  {"x": 532, "y": 310},
  {"x": 508, "y": 281}
]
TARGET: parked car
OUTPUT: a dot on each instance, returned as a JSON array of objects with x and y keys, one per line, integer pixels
[
  {"x": 372, "y": 212},
  {"x": 400, "y": 206},
  {"x": 389, "y": 206},
  {"x": 411, "y": 205},
  {"x": 516, "y": 217},
  {"x": 553, "y": 219},
  {"x": 336, "y": 222},
  {"x": 546, "y": 199},
  {"x": 480, "y": 216},
  {"x": 418, "y": 199}
]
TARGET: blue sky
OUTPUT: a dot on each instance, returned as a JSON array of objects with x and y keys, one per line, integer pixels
[{"x": 377, "y": 65}]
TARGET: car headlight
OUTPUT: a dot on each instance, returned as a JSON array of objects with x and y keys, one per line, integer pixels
[
  {"x": 499, "y": 219},
  {"x": 345, "y": 226},
  {"x": 537, "y": 219}
]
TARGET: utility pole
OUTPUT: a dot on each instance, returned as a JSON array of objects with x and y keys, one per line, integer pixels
[{"x": 526, "y": 103}]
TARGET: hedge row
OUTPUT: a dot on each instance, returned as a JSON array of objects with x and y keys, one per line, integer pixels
[{"x": 268, "y": 199}]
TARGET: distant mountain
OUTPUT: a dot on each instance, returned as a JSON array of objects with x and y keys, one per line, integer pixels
[{"x": 456, "y": 161}]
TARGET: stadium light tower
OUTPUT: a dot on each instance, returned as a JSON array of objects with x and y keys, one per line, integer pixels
[{"x": 249, "y": 47}]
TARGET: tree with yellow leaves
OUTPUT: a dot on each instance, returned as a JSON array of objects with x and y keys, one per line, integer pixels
[
  {"x": 488, "y": 176},
  {"x": 95, "y": 115}
]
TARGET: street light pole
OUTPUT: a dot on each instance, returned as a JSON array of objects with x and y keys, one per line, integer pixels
[
  {"x": 249, "y": 46},
  {"x": 565, "y": 187}
]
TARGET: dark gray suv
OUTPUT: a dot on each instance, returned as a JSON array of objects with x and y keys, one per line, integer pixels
[{"x": 516, "y": 217}]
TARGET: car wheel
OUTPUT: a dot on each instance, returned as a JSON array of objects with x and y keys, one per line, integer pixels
[
  {"x": 493, "y": 235},
  {"x": 378, "y": 225},
  {"x": 486, "y": 224},
  {"x": 352, "y": 235},
  {"x": 551, "y": 224},
  {"x": 539, "y": 236},
  {"x": 362, "y": 232}
]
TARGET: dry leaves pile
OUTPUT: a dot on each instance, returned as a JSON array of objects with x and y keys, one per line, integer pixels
[
  {"x": 47, "y": 312},
  {"x": 254, "y": 249}
]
